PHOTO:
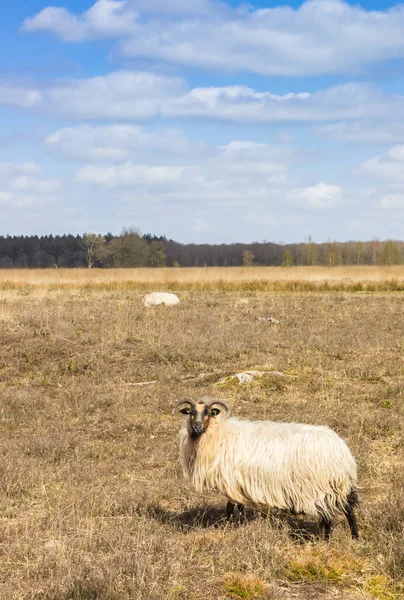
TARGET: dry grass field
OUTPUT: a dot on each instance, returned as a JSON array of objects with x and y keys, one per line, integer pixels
[
  {"x": 93, "y": 505},
  {"x": 290, "y": 279}
]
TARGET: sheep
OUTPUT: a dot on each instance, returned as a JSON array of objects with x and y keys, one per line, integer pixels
[{"x": 300, "y": 468}]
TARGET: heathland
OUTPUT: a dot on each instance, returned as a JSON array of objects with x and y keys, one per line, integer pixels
[{"x": 93, "y": 502}]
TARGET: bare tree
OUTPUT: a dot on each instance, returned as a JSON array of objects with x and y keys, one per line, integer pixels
[
  {"x": 391, "y": 253},
  {"x": 308, "y": 252},
  {"x": 248, "y": 258},
  {"x": 288, "y": 259},
  {"x": 157, "y": 255},
  {"x": 92, "y": 244}
]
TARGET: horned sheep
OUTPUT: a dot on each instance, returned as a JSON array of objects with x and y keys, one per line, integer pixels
[{"x": 300, "y": 468}]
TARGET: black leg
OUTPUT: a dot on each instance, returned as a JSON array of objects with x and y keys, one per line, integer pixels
[
  {"x": 326, "y": 526},
  {"x": 353, "y": 525},
  {"x": 241, "y": 513},
  {"x": 229, "y": 509}
]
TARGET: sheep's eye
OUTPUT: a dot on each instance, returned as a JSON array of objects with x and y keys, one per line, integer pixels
[
  {"x": 185, "y": 411},
  {"x": 214, "y": 412}
]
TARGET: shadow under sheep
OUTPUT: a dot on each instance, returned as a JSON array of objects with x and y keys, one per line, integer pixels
[{"x": 299, "y": 529}]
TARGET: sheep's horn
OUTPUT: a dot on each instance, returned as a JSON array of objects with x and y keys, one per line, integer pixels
[
  {"x": 221, "y": 403},
  {"x": 183, "y": 401}
]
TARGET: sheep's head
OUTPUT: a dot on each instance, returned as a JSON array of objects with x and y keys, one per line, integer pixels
[{"x": 200, "y": 413}]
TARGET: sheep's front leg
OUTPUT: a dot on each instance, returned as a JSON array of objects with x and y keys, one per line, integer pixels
[
  {"x": 241, "y": 512},
  {"x": 229, "y": 510}
]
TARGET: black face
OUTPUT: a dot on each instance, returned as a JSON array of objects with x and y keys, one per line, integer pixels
[{"x": 199, "y": 417}]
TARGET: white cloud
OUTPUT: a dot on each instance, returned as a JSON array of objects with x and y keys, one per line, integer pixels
[
  {"x": 319, "y": 196},
  {"x": 10, "y": 200},
  {"x": 34, "y": 185},
  {"x": 180, "y": 7},
  {"x": 119, "y": 95},
  {"x": 241, "y": 103},
  {"x": 136, "y": 95},
  {"x": 21, "y": 186},
  {"x": 117, "y": 143},
  {"x": 19, "y": 96},
  {"x": 377, "y": 167},
  {"x": 165, "y": 166},
  {"x": 105, "y": 19},
  {"x": 389, "y": 167},
  {"x": 396, "y": 153},
  {"x": 237, "y": 175},
  {"x": 129, "y": 174},
  {"x": 249, "y": 185},
  {"x": 8, "y": 169},
  {"x": 200, "y": 226},
  {"x": 392, "y": 201},
  {"x": 237, "y": 171},
  {"x": 318, "y": 37},
  {"x": 363, "y": 132}
]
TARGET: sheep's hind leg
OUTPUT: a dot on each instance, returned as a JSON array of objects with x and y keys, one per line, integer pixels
[
  {"x": 353, "y": 525},
  {"x": 349, "y": 512},
  {"x": 326, "y": 526}
]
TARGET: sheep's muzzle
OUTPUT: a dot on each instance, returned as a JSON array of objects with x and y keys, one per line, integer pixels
[{"x": 197, "y": 428}]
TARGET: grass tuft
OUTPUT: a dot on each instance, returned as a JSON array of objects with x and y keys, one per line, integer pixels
[
  {"x": 243, "y": 587},
  {"x": 380, "y": 587},
  {"x": 317, "y": 565}
]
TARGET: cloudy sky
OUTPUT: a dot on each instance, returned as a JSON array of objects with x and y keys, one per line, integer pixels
[{"x": 203, "y": 120}]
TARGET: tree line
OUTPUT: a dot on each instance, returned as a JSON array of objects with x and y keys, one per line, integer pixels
[{"x": 133, "y": 249}]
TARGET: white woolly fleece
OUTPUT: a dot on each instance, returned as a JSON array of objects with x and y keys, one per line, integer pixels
[{"x": 304, "y": 468}]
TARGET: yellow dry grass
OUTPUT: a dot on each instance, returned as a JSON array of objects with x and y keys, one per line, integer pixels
[{"x": 292, "y": 279}]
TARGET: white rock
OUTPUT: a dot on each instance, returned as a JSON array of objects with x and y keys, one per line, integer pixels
[
  {"x": 156, "y": 298},
  {"x": 269, "y": 320},
  {"x": 54, "y": 545},
  {"x": 244, "y": 377},
  {"x": 249, "y": 376}
]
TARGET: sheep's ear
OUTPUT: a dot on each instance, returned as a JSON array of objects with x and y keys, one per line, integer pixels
[
  {"x": 214, "y": 412},
  {"x": 186, "y": 410}
]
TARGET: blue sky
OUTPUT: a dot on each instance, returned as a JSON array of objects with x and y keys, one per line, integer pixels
[{"x": 203, "y": 120}]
